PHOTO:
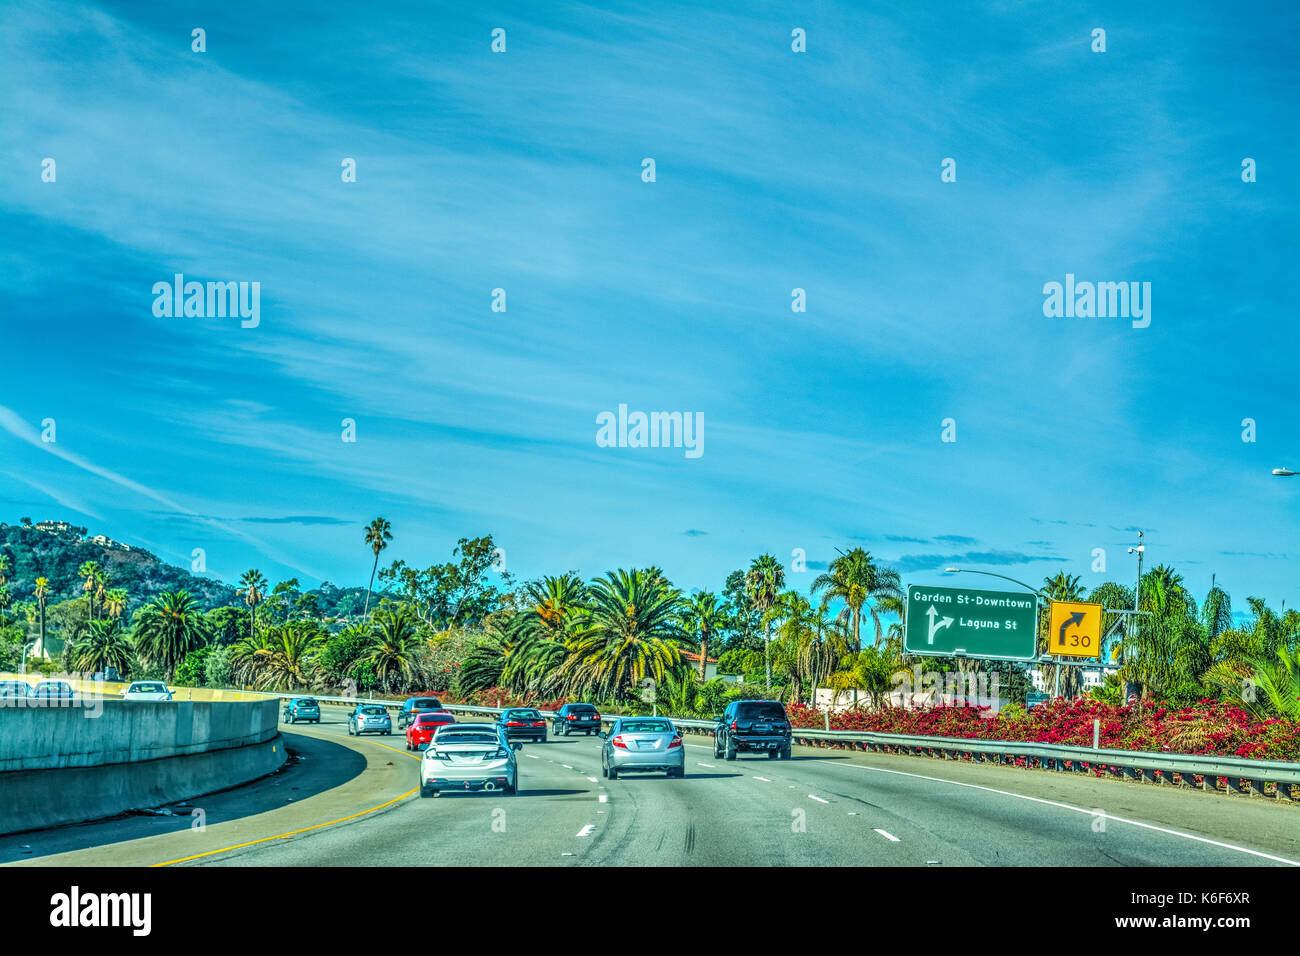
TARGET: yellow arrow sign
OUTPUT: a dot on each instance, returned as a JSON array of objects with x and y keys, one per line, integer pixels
[{"x": 1074, "y": 629}]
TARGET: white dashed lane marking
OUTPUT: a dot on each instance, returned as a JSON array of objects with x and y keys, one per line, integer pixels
[
  {"x": 764, "y": 779},
  {"x": 888, "y": 836},
  {"x": 818, "y": 799},
  {"x": 586, "y": 831}
]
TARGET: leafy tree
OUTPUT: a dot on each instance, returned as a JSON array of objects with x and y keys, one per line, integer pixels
[
  {"x": 455, "y": 594},
  {"x": 216, "y": 669},
  {"x": 193, "y": 670},
  {"x": 535, "y": 637},
  {"x": 224, "y": 625},
  {"x": 744, "y": 622}
]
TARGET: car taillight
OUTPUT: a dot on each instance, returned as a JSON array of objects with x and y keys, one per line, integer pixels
[
  {"x": 539, "y": 723},
  {"x": 618, "y": 741},
  {"x": 677, "y": 742},
  {"x": 595, "y": 716},
  {"x": 733, "y": 725},
  {"x": 572, "y": 717},
  {"x": 513, "y": 723}
]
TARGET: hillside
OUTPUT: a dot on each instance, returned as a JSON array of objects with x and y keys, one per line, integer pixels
[{"x": 57, "y": 555}]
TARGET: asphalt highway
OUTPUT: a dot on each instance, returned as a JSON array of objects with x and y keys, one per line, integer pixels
[{"x": 354, "y": 801}]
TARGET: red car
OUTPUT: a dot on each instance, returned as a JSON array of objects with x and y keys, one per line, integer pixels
[{"x": 422, "y": 728}]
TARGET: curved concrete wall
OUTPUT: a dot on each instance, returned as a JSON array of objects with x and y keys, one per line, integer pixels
[
  {"x": 65, "y": 764},
  {"x": 50, "y": 735}
]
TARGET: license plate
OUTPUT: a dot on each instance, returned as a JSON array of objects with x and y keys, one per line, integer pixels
[{"x": 764, "y": 728}]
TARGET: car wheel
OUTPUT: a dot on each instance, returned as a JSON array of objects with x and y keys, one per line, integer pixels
[
  {"x": 613, "y": 774},
  {"x": 604, "y": 771},
  {"x": 512, "y": 787},
  {"x": 773, "y": 754},
  {"x": 716, "y": 752},
  {"x": 731, "y": 749},
  {"x": 785, "y": 754}
]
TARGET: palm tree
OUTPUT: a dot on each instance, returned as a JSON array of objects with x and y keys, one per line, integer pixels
[
  {"x": 703, "y": 615},
  {"x": 115, "y": 602},
  {"x": 860, "y": 583},
  {"x": 284, "y": 659},
  {"x": 253, "y": 587},
  {"x": 168, "y": 628},
  {"x": 763, "y": 582},
  {"x": 93, "y": 576},
  {"x": 535, "y": 638},
  {"x": 104, "y": 645},
  {"x": 630, "y": 635},
  {"x": 42, "y": 593},
  {"x": 377, "y": 536},
  {"x": 392, "y": 645}
]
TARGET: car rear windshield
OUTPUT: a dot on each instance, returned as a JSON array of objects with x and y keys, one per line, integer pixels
[
  {"x": 434, "y": 719},
  {"x": 646, "y": 727},
  {"x": 148, "y": 688},
  {"x": 306, "y": 702},
  {"x": 770, "y": 710},
  {"x": 427, "y": 703},
  {"x": 522, "y": 713},
  {"x": 466, "y": 738},
  {"x": 582, "y": 709},
  {"x": 373, "y": 711}
]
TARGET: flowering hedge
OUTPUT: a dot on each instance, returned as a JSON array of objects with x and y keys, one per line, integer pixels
[{"x": 1208, "y": 727}]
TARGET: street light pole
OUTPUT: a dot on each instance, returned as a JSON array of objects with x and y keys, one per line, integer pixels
[
  {"x": 992, "y": 575},
  {"x": 1139, "y": 550}
]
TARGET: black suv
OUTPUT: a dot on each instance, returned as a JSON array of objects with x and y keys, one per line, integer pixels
[
  {"x": 414, "y": 706},
  {"x": 754, "y": 726},
  {"x": 576, "y": 717}
]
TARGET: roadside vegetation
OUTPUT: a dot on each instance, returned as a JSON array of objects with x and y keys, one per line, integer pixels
[{"x": 472, "y": 634}]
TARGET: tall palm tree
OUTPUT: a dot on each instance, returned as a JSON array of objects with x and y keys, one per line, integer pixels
[
  {"x": 168, "y": 628},
  {"x": 631, "y": 634},
  {"x": 92, "y": 576},
  {"x": 102, "y": 646},
  {"x": 763, "y": 582},
  {"x": 855, "y": 579},
  {"x": 42, "y": 593},
  {"x": 378, "y": 534},
  {"x": 253, "y": 587},
  {"x": 392, "y": 646},
  {"x": 703, "y": 615}
]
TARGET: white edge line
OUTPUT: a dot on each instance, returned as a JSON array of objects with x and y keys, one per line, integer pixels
[{"x": 1107, "y": 816}]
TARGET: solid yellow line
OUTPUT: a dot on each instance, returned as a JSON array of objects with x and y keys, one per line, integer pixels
[{"x": 285, "y": 836}]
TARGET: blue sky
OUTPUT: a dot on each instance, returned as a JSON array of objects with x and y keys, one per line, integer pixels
[{"x": 775, "y": 170}]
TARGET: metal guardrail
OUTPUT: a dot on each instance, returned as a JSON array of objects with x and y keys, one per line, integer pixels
[{"x": 1243, "y": 774}]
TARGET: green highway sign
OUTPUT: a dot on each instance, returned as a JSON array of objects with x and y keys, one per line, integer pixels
[{"x": 944, "y": 622}]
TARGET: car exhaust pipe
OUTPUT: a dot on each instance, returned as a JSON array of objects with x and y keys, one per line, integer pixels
[{"x": 489, "y": 785}]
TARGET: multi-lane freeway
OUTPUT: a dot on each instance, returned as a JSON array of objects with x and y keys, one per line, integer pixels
[{"x": 354, "y": 801}]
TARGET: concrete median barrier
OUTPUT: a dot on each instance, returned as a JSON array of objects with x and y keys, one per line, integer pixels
[{"x": 67, "y": 764}]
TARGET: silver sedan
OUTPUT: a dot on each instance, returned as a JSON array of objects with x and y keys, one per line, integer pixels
[
  {"x": 642, "y": 743},
  {"x": 469, "y": 757}
]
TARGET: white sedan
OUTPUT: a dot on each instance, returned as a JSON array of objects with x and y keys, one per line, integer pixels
[{"x": 147, "y": 690}]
